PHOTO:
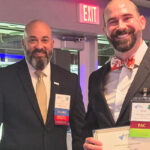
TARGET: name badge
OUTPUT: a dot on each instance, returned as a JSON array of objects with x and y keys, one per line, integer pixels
[
  {"x": 62, "y": 107},
  {"x": 140, "y": 117}
]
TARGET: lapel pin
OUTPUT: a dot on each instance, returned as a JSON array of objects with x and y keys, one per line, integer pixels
[{"x": 56, "y": 83}]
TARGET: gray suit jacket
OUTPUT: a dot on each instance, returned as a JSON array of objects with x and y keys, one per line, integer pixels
[
  {"x": 23, "y": 127},
  {"x": 98, "y": 115}
]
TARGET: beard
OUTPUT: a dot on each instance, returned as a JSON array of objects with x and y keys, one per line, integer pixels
[
  {"x": 38, "y": 62},
  {"x": 123, "y": 45}
]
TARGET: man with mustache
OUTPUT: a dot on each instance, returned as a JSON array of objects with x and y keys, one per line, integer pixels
[
  {"x": 38, "y": 100},
  {"x": 112, "y": 87}
]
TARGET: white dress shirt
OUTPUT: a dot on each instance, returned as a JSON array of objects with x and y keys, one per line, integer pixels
[
  {"x": 47, "y": 81},
  {"x": 118, "y": 82}
]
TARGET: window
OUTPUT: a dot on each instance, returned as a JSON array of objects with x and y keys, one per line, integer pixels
[
  {"x": 10, "y": 43},
  {"x": 105, "y": 50}
]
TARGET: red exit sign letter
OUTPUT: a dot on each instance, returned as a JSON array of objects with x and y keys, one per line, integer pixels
[{"x": 89, "y": 14}]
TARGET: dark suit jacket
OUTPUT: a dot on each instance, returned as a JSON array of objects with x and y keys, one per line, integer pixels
[
  {"x": 23, "y": 127},
  {"x": 99, "y": 115}
]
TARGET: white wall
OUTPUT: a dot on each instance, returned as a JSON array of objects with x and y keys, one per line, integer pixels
[
  {"x": 60, "y": 14},
  {"x": 88, "y": 63}
]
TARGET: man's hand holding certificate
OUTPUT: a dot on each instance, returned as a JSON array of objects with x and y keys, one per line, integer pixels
[
  {"x": 92, "y": 144},
  {"x": 118, "y": 139},
  {"x": 113, "y": 138}
]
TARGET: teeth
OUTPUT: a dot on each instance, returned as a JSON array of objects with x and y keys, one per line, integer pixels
[{"x": 122, "y": 36}]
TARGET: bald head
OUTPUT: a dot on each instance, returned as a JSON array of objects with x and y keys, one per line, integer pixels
[
  {"x": 37, "y": 24},
  {"x": 118, "y": 4},
  {"x": 38, "y": 44}
]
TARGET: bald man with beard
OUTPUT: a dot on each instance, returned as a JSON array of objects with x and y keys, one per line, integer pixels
[
  {"x": 112, "y": 87},
  {"x": 30, "y": 123}
]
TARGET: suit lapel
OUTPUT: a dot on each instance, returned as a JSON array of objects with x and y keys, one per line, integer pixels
[
  {"x": 142, "y": 73},
  {"x": 55, "y": 88},
  {"x": 104, "y": 72},
  {"x": 25, "y": 78},
  {"x": 101, "y": 79}
]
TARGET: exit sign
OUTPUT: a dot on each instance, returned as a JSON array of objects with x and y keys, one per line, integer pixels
[{"x": 88, "y": 14}]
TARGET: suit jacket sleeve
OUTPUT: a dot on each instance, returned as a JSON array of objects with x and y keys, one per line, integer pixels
[
  {"x": 90, "y": 122},
  {"x": 77, "y": 117}
]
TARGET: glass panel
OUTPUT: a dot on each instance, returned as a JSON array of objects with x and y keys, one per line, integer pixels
[
  {"x": 10, "y": 43},
  {"x": 67, "y": 59},
  {"x": 105, "y": 50}
]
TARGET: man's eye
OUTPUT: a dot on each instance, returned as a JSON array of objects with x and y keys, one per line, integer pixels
[
  {"x": 32, "y": 40},
  {"x": 112, "y": 22},
  {"x": 127, "y": 18},
  {"x": 45, "y": 40}
]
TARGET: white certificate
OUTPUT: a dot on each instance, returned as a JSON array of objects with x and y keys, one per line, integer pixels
[{"x": 118, "y": 139}]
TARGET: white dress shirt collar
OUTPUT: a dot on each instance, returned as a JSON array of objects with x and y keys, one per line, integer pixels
[
  {"x": 140, "y": 53},
  {"x": 32, "y": 70}
]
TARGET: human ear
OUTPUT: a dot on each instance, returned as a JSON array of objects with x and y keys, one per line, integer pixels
[{"x": 142, "y": 22}]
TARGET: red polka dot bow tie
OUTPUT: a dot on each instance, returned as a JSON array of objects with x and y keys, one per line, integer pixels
[{"x": 116, "y": 63}]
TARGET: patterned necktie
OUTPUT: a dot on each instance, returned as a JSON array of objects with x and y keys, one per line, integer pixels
[
  {"x": 116, "y": 63},
  {"x": 41, "y": 94}
]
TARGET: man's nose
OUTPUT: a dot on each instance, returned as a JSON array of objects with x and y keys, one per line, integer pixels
[
  {"x": 121, "y": 25},
  {"x": 39, "y": 45}
]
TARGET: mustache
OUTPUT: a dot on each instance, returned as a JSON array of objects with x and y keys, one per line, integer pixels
[
  {"x": 122, "y": 32},
  {"x": 36, "y": 50}
]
